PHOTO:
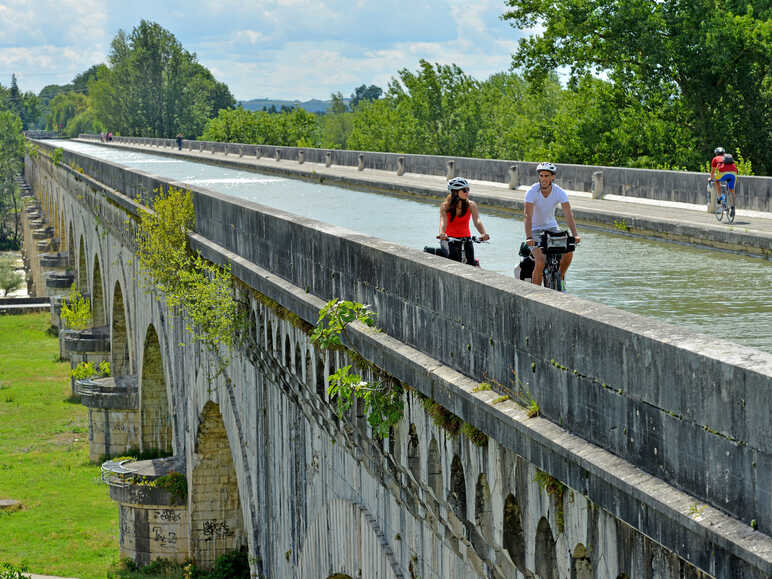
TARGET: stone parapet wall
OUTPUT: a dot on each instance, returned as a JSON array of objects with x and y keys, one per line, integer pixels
[{"x": 680, "y": 186}]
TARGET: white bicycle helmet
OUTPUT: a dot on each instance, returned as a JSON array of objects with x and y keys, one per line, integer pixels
[
  {"x": 457, "y": 184},
  {"x": 547, "y": 166},
  {"x": 719, "y": 151}
]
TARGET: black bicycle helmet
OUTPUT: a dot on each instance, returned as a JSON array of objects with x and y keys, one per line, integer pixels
[{"x": 728, "y": 159}]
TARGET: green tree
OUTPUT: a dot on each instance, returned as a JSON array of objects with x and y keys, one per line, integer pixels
[
  {"x": 154, "y": 87},
  {"x": 335, "y": 124},
  {"x": 365, "y": 93},
  {"x": 11, "y": 155},
  {"x": 713, "y": 58}
]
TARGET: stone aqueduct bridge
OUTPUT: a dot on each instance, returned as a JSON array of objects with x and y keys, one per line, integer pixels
[{"x": 650, "y": 458}]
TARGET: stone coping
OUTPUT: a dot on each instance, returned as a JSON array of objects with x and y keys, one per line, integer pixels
[
  {"x": 95, "y": 339},
  {"x": 125, "y": 477},
  {"x": 110, "y": 393}
]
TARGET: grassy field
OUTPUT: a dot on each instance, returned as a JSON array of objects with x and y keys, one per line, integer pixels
[{"x": 68, "y": 525}]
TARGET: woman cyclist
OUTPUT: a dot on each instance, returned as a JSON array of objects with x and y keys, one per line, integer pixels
[{"x": 455, "y": 212}]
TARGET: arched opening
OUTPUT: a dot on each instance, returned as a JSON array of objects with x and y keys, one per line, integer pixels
[
  {"x": 154, "y": 404},
  {"x": 457, "y": 494},
  {"x": 298, "y": 361},
  {"x": 339, "y": 576},
  {"x": 269, "y": 338},
  {"x": 82, "y": 267},
  {"x": 252, "y": 330},
  {"x": 97, "y": 296},
  {"x": 62, "y": 233},
  {"x": 320, "y": 385},
  {"x": 287, "y": 353},
  {"x": 413, "y": 453},
  {"x": 482, "y": 507},
  {"x": 309, "y": 370},
  {"x": 581, "y": 565},
  {"x": 434, "y": 469},
  {"x": 394, "y": 443},
  {"x": 120, "y": 364},
  {"x": 513, "y": 538},
  {"x": 216, "y": 525},
  {"x": 70, "y": 249},
  {"x": 546, "y": 559}
]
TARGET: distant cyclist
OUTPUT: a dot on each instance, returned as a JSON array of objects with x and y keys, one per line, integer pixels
[
  {"x": 455, "y": 212},
  {"x": 716, "y": 175},
  {"x": 540, "y": 202}
]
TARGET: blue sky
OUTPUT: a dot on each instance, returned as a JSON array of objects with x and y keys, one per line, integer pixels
[{"x": 274, "y": 48}]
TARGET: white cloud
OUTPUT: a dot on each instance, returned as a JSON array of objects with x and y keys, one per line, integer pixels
[{"x": 277, "y": 48}]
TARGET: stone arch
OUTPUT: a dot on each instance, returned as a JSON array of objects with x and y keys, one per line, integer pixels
[
  {"x": 546, "y": 558},
  {"x": 120, "y": 364},
  {"x": 287, "y": 353},
  {"x": 434, "y": 469},
  {"x": 97, "y": 296},
  {"x": 269, "y": 338},
  {"x": 482, "y": 507},
  {"x": 413, "y": 453},
  {"x": 70, "y": 249},
  {"x": 581, "y": 564},
  {"x": 82, "y": 267},
  {"x": 309, "y": 369},
  {"x": 513, "y": 537},
  {"x": 298, "y": 361},
  {"x": 216, "y": 524},
  {"x": 457, "y": 494},
  {"x": 156, "y": 424},
  {"x": 355, "y": 549}
]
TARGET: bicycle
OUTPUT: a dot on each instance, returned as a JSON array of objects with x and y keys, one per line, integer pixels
[
  {"x": 446, "y": 244},
  {"x": 553, "y": 245},
  {"x": 722, "y": 201}
]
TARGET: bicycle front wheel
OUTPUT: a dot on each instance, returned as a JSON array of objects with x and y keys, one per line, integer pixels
[{"x": 719, "y": 212}]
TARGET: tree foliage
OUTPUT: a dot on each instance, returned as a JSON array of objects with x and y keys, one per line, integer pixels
[
  {"x": 154, "y": 87},
  {"x": 704, "y": 65},
  {"x": 11, "y": 156}
]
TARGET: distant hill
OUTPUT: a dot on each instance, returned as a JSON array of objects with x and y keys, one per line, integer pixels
[{"x": 312, "y": 106}]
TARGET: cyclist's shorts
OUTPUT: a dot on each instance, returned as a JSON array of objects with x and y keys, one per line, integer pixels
[{"x": 729, "y": 178}]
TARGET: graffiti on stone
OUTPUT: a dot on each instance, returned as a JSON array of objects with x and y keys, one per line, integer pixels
[
  {"x": 170, "y": 538},
  {"x": 214, "y": 529},
  {"x": 170, "y": 515}
]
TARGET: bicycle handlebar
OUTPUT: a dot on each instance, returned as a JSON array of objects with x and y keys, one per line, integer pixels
[{"x": 474, "y": 238}]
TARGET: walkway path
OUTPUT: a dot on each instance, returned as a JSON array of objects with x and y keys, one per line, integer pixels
[{"x": 750, "y": 233}]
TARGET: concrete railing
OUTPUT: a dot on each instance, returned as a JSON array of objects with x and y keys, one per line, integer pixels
[
  {"x": 651, "y": 393},
  {"x": 682, "y": 186}
]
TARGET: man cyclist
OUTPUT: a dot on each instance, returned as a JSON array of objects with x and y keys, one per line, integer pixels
[
  {"x": 724, "y": 170},
  {"x": 540, "y": 202}
]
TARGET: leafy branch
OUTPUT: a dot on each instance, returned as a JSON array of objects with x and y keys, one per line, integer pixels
[
  {"x": 205, "y": 291},
  {"x": 76, "y": 311},
  {"x": 382, "y": 400}
]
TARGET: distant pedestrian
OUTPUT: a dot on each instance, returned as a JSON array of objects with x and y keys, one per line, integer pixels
[
  {"x": 179, "y": 141},
  {"x": 109, "y": 137}
]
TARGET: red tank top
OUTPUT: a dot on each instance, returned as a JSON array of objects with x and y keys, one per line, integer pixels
[{"x": 459, "y": 227}]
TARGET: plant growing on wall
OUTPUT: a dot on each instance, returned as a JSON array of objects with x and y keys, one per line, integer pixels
[
  {"x": 86, "y": 370},
  {"x": 382, "y": 400},
  {"x": 188, "y": 281},
  {"x": 76, "y": 311}
]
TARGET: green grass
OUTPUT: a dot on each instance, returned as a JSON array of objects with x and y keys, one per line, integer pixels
[{"x": 68, "y": 525}]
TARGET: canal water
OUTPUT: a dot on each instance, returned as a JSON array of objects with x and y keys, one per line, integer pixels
[{"x": 714, "y": 292}]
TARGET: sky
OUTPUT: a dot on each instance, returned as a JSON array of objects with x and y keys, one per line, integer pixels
[{"x": 281, "y": 49}]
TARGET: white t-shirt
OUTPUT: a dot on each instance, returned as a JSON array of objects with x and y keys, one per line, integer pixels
[{"x": 544, "y": 207}]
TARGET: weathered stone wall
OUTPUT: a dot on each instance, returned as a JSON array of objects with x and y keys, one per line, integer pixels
[{"x": 435, "y": 504}]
